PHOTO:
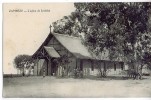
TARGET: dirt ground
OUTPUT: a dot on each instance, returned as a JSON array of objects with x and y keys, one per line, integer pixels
[{"x": 68, "y": 87}]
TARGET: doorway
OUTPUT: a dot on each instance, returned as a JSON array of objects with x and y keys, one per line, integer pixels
[{"x": 54, "y": 67}]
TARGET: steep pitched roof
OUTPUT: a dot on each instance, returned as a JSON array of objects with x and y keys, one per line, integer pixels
[
  {"x": 43, "y": 44},
  {"x": 74, "y": 45}
]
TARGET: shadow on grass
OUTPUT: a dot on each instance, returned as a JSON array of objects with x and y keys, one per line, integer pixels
[
  {"x": 91, "y": 77},
  {"x": 97, "y": 78},
  {"x": 107, "y": 78}
]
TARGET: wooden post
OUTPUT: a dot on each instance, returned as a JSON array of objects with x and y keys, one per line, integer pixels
[
  {"x": 81, "y": 64},
  {"x": 49, "y": 63},
  {"x": 92, "y": 66},
  {"x": 76, "y": 69},
  {"x": 47, "y": 66},
  {"x": 76, "y": 63}
]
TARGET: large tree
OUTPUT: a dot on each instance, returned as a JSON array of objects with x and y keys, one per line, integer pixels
[{"x": 121, "y": 28}]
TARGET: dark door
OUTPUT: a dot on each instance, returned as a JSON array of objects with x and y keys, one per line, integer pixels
[{"x": 53, "y": 67}]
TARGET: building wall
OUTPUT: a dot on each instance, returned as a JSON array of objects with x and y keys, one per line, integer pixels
[
  {"x": 38, "y": 68},
  {"x": 115, "y": 68},
  {"x": 96, "y": 67},
  {"x": 61, "y": 51},
  {"x": 89, "y": 67},
  {"x": 93, "y": 67},
  {"x": 86, "y": 67},
  {"x": 35, "y": 67},
  {"x": 69, "y": 71},
  {"x": 49, "y": 68},
  {"x": 72, "y": 65}
]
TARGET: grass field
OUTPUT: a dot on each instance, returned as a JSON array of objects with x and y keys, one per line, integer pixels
[{"x": 54, "y": 87}]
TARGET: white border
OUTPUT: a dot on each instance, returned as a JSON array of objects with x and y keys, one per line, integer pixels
[
  {"x": 46, "y": 1},
  {"x": 1, "y": 71}
]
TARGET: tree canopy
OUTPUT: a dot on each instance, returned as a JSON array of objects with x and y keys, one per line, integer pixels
[
  {"x": 22, "y": 61},
  {"x": 124, "y": 29}
]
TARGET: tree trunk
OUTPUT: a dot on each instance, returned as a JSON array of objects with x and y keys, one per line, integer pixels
[
  {"x": 104, "y": 70},
  {"x": 136, "y": 65},
  {"x": 137, "y": 70},
  {"x": 135, "y": 62}
]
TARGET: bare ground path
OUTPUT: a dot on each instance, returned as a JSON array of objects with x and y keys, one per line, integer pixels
[{"x": 53, "y": 87}]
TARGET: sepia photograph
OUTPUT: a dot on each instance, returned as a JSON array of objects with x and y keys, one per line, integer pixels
[{"x": 76, "y": 50}]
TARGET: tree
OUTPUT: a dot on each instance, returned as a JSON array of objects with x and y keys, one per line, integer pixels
[
  {"x": 23, "y": 61},
  {"x": 64, "y": 61},
  {"x": 121, "y": 28},
  {"x": 67, "y": 25},
  {"x": 62, "y": 65}
]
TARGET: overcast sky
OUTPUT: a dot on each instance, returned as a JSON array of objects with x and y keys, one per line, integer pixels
[{"x": 24, "y": 32}]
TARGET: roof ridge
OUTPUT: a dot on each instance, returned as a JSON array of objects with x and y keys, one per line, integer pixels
[{"x": 66, "y": 35}]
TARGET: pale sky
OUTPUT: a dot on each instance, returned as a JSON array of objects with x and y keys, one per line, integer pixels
[{"x": 24, "y": 32}]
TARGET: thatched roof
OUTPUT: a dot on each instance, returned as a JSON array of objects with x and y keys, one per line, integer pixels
[
  {"x": 73, "y": 45},
  {"x": 51, "y": 52}
]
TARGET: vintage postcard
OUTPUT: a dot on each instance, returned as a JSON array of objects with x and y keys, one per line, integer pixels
[{"x": 77, "y": 50}]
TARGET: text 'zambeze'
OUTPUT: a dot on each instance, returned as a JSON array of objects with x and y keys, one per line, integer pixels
[{"x": 29, "y": 10}]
